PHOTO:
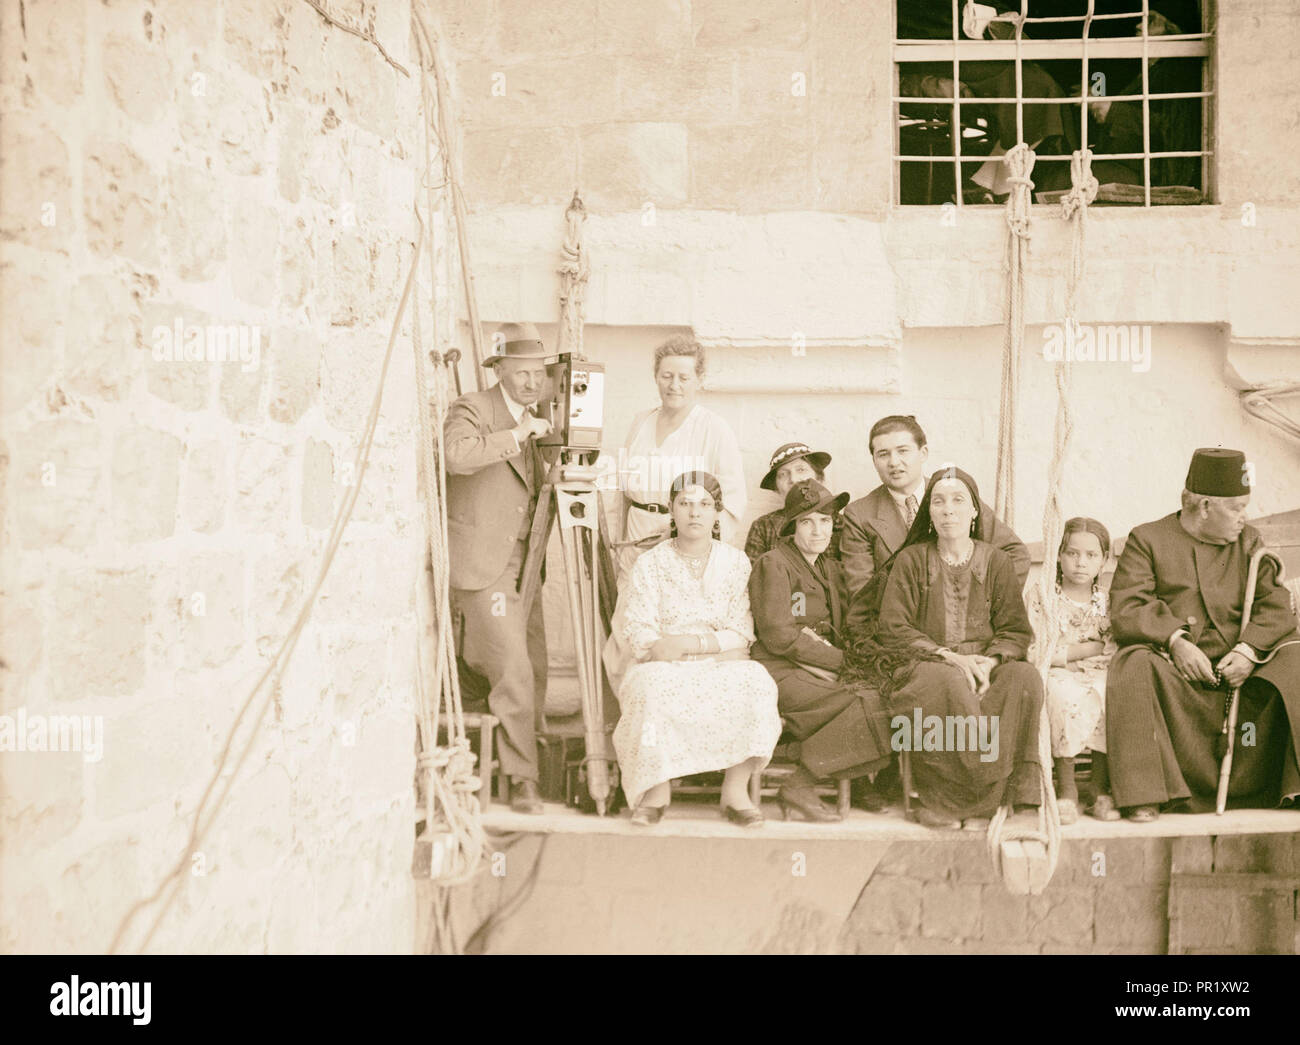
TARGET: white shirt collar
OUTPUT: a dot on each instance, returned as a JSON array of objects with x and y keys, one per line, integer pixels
[
  {"x": 900, "y": 499},
  {"x": 516, "y": 409}
]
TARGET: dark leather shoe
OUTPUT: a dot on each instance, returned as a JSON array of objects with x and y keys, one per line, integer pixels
[
  {"x": 804, "y": 800},
  {"x": 743, "y": 817},
  {"x": 524, "y": 797}
]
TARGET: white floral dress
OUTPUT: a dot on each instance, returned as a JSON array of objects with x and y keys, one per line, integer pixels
[
  {"x": 1076, "y": 693},
  {"x": 692, "y": 716}
]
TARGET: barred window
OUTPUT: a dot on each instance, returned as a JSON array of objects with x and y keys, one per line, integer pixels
[{"x": 1128, "y": 79}]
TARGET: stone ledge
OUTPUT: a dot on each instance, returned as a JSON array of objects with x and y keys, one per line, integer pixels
[{"x": 700, "y": 821}]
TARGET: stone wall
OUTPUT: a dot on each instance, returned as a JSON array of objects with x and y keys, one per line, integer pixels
[
  {"x": 600, "y": 894},
  {"x": 238, "y": 167},
  {"x": 735, "y": 157}
]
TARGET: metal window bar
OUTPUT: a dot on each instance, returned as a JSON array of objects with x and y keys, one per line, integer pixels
[{"x": 1192, "y": 45}]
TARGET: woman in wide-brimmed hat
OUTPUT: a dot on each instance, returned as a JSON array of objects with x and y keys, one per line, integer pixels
[
  {"x": 800, "y": 603},
  {"x": 791, "y": 463}
]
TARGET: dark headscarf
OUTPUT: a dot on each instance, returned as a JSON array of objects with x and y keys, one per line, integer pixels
[{"x": 887, "y": 666}]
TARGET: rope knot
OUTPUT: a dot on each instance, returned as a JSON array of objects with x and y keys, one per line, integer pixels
[{"x": 1083, "y": 186}]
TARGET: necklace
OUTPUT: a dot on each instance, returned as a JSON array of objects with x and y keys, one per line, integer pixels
[
  {"x": 960, "y": 560},
  {"x": 695, "y": 563}
]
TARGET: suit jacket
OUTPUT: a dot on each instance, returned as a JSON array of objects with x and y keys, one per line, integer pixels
[
  {"x": 914, "y": 610},
  {"x": 874, "y": 529},
  {"x": 490, "y": 487},
  {"x": 1167, "y": 580},
  {"x": 779, "y": 617}
]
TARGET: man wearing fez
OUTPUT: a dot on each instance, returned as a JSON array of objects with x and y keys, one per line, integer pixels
[
  {"x": 494, "y": 472},
  {"x": 1175, "y": 610}
]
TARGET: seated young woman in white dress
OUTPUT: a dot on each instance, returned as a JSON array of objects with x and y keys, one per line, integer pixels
[{"x": 692, "y": 701}]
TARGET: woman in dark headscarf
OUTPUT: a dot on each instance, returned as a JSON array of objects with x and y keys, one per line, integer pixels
[{"x": 943, "y": 633}]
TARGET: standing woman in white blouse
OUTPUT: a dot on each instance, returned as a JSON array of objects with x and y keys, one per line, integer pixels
[{"x": 677, "y": 436}]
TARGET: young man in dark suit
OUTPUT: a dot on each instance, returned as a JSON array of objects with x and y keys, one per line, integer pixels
[
  {"x": 494, "y": 472},
  {"x": 876, "y": 525}
]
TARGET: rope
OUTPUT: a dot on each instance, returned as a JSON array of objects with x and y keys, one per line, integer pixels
[
  {"x": 1074, "y": 208},
  {"x": 453, "y": 823},
  {"x": 574, "y": 272},
  {"x": 1020, "y": 165}
]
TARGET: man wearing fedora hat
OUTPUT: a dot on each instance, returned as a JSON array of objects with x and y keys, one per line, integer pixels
[
  {"x": 1176, "y": 611},
  {"x": 494, "y": 472}
]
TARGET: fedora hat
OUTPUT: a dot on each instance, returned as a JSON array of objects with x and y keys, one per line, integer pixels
[
  {"x": 792, "y": 452},
  {"x": 516, "y": 341},
  {"x": 808, "y": 496}
]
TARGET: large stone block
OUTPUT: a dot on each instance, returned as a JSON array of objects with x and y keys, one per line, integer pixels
[
  {"x": 760, "y": 168},
  {"x": 350, "y": 278},
  {"x": 683, "y": 88},
  {"x": 241, "y": 382},
  {"x": 134, "y": 71},
  {"x": 1254, "y": 854},
  {"x": 890, "y": 906},
  {"x": 42, "y": 793},
  {"x": 42, "y": 47},
  {"x": 297, "y": 263},
  {"x": 950, "y": 912},
  {"x": 100, "y": 352},
  {"x": 206, "y": 488},
  {"x": 468, "y": 25},
  {"x": 223, "y": 120},
  {"x": 194, "y": 223},
  {"x": 152, "y": 754},
  {"x": 36, "y": 182},
  {"x": 847, "y": 158},
  {"x": 648, "y": 27},
  {"x": 625, "y": 165},
  {"x": 262, "y": 485},
  {"x": 850, "y": 48},
  {"x": 317, "y": 485},
  {"x": 772, "y": 86},
  {"x": 121, "y": 208},
  {"x": 1267, "y": 921},
  {"x": 146, "y": 470},
  {"x": 729, "y": 25},
  {"x": 295, "y": 384},
  {"x": 209, "y": 596},
  {"x": 1136, "y": 916},
  {"x": 57, "y": 484},
  {"x": 555, "y": 91},
  {"x": 184, "y": 382},
  {"x": 253, "y": 240},
  {"x": 1062, "y": 916},
  {"x": 520, "y": 165},
  {"x": 548, "y": 27},
  {"x": 351, "y": 361},
  {"x": 99, "y": 647},
  {"x": 254, "y": 35},
  {"x": 1005, "y": 917},
  {"x": 33, "y": 333}
]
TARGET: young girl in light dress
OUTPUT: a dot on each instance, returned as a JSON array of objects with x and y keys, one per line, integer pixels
[{"x": 1076, "y": 681}]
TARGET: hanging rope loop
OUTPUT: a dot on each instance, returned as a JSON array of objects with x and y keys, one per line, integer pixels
[{"x": 1083, "y": 186}]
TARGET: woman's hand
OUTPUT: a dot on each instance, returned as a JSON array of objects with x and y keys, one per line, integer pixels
[
  {"x": 679, "y": 647},
  {"x": 975, "y": 668}
]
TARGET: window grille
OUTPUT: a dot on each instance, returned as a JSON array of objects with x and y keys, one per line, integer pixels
[{"x": 1128, "y": 79}]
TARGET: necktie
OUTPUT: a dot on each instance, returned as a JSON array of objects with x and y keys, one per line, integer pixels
[{"x": 911, "y": 506}]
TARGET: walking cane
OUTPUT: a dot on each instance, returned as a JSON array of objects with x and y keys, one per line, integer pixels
[{"x": 1230, "y": 723}]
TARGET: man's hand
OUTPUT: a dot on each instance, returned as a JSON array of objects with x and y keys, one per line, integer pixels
[
  {"x": 529, "y": 426},
  {"x": 1194, "y": 665},
  {"x": 1235, "y": 668}
]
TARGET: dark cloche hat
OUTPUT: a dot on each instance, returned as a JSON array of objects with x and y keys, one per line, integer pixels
[
  {"x": 808, "y": 496},
  {"x": 1216, "y": 472},
  {"x": 516, "y": 341},
  {"x": 792, "y": 452}
]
